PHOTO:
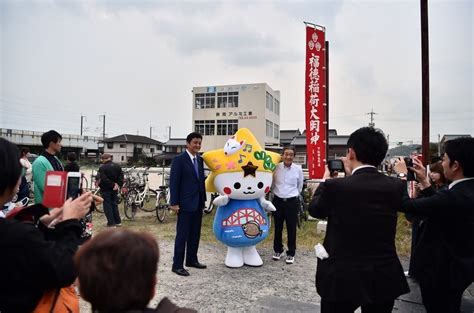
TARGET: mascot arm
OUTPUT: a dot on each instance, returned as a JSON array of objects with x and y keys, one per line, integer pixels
[
  {"x": 221, "y": 200},
  {"x": 266, "y": 205}
]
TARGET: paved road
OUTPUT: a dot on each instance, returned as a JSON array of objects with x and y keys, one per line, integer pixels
[{"x": 409, "y": 303}]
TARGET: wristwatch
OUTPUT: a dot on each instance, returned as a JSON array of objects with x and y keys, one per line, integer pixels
[{"x": 401, "y": 175}]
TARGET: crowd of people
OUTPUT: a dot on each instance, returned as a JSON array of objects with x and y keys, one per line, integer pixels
[{"x": 43, "y": 256}]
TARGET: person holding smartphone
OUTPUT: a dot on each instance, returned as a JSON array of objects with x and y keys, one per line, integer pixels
[
  {"x": 446, "y": 253},
  {"x": 31, "y": 264}
]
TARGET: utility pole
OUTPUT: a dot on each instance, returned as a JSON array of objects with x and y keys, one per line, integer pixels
[
  {"x": 425, "y": 83},
  {"x": 82, "y": 122},
  {"x": 150, "y": 132},
  {"x": 439, "y": 145},
  {"x": 103, "y": 126},
  {"x": 169, "y": 132},
  {"x": 372, "y": 113}
]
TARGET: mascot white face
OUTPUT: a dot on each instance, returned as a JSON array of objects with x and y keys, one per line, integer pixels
[{"x": 238, "y": 187}]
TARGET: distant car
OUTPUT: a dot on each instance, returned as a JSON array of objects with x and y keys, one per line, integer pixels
[{"x": 32, "y": 157}]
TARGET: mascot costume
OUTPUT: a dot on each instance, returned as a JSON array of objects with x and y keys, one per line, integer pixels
[{"x": 242, "y": 174}]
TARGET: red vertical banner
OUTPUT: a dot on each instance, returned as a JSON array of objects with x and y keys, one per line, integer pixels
[{"x": 315, "y": 100}]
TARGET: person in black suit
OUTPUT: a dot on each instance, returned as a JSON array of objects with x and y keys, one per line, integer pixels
[
  {"x": 363, "y": 268},
  {"x": 445, "y": 255},
  {"x": 188, "y": 196}
]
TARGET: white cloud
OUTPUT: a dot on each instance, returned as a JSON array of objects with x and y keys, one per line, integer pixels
[{"x": 137, "y": 61}]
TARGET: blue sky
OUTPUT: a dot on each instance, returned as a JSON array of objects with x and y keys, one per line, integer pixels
[{"x": 137, "y": 61}]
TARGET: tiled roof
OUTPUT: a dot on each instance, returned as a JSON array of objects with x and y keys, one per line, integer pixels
[{"x": 133, "y": 139}]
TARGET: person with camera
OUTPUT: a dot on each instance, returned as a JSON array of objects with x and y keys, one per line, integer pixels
[
  {"x": 111, "y": 180},
  {"x": 421, "y": 226},
  {"x": 445, "y": 255},
  {"x": 362, "y": 269},
  {"x": 102, "y": 273},
  {"x": 287, "y": 186},
  {"x": 32, "y": 265}
]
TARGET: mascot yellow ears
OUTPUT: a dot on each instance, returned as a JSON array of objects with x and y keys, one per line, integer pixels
[{"x": 242, "y": 174}]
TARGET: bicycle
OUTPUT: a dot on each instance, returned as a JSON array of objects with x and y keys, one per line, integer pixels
[
  {"x": 162, "y": 204},
  {"x": 302, "y": 205},
  {"x": 95, "y": 189},
  {"x": 212, "y": 206},
  {"x": 137, "y": 196}
]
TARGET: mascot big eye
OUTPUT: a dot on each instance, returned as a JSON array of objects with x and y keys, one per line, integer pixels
[{"x": 242, "y": 174}]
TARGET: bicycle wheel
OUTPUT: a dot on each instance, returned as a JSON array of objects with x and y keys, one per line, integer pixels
[
  {"x": 119, "y": 197},
  {"x": 99, "y": 208},
  {"x": 211, "y": 206},
  {"x": 161, "y": 207},
  {"x": 153, "y": 196},
  {"x": 130, "y": 207}
]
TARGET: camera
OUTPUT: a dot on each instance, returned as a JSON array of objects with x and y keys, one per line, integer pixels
[
  {"x": 336, "y": 165},
  {"x": 410, "y": 173}
]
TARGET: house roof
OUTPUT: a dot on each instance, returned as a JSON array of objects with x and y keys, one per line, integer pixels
[
  {"x": 133, "y": 139},
  {"x": 340, "y": 140},
  {"x": 289, "y": 134},
  {"x": 180, "y": 142},
  {"x": 451, "y": 137},
  {"x": 333, "y": 140}
]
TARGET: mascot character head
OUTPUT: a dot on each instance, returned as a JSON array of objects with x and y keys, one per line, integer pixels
[{"x": 242, "y": 169}]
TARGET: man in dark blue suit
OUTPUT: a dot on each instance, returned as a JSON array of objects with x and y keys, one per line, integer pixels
[{"x": 188, "y": 196}]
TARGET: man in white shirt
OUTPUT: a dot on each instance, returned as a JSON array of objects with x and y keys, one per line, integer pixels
[{"x": 286, "y": 188}]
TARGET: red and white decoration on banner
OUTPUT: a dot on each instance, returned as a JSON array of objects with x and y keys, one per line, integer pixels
[{"x": 315, "y": 101}]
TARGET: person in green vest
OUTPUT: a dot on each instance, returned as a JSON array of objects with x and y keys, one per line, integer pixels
[{"x": 47, "y": 161}]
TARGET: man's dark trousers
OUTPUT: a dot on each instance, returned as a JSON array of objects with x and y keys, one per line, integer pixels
[
  {"x": 333, "y": 307},
  {"x": 285, "y": 211},
  {"x": 189, "y": 226},
  {"x": 111, "y": 207}
]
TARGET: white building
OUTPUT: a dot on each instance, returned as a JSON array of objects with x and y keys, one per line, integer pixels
[
  {"x": 219, "y": 111},
  {"x": 127, "y": 147}
]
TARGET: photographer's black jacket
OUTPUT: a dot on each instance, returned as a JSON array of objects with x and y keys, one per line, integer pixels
[
  {"x": 30, "y": 264},
  {"x": 110, "y": 174}
]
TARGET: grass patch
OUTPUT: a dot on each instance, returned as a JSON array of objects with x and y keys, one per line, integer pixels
[{"x": 306, "y": 235}]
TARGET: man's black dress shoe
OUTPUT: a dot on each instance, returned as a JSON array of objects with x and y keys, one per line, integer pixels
[
  {"x": 180, "y": 271},
  {"x": 196, "y": 265}
]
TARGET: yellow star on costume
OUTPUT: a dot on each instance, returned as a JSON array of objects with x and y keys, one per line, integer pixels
[{"x": 248, "y": 150}]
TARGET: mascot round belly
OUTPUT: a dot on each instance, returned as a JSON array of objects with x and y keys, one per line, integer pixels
[{"x": 241, "y": 173}]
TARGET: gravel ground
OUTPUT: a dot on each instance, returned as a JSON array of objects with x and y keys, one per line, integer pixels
[{"x": 249, "y": 289}]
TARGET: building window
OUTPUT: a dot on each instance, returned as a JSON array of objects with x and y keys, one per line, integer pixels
[
  {"x": 110, "y": 145},
  {"x": 205, "y": 127},
  {"x": 276, "y": 131},
  {"x": 228, "y": 99},
  {"x": 300, "y": 159},
  {"x": 269, "y": 131},
  {"x": 277, "y": 106},
  {"x": 227, "y": 127},
  {"x": 139, "y": 151},
  {"x": 123, "y": 157},
  {"x": 269, "y": 101},
  {"x": 122, "y": 145},
  {"x": 152, "y": 150},
  {"x": 205, "y": 100}
]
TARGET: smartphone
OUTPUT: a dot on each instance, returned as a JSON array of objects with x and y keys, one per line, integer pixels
[
  {"x": 73, "y": 185},
  {"x": 410, "y": 173},
  {"x": 336, "y": 165}
]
